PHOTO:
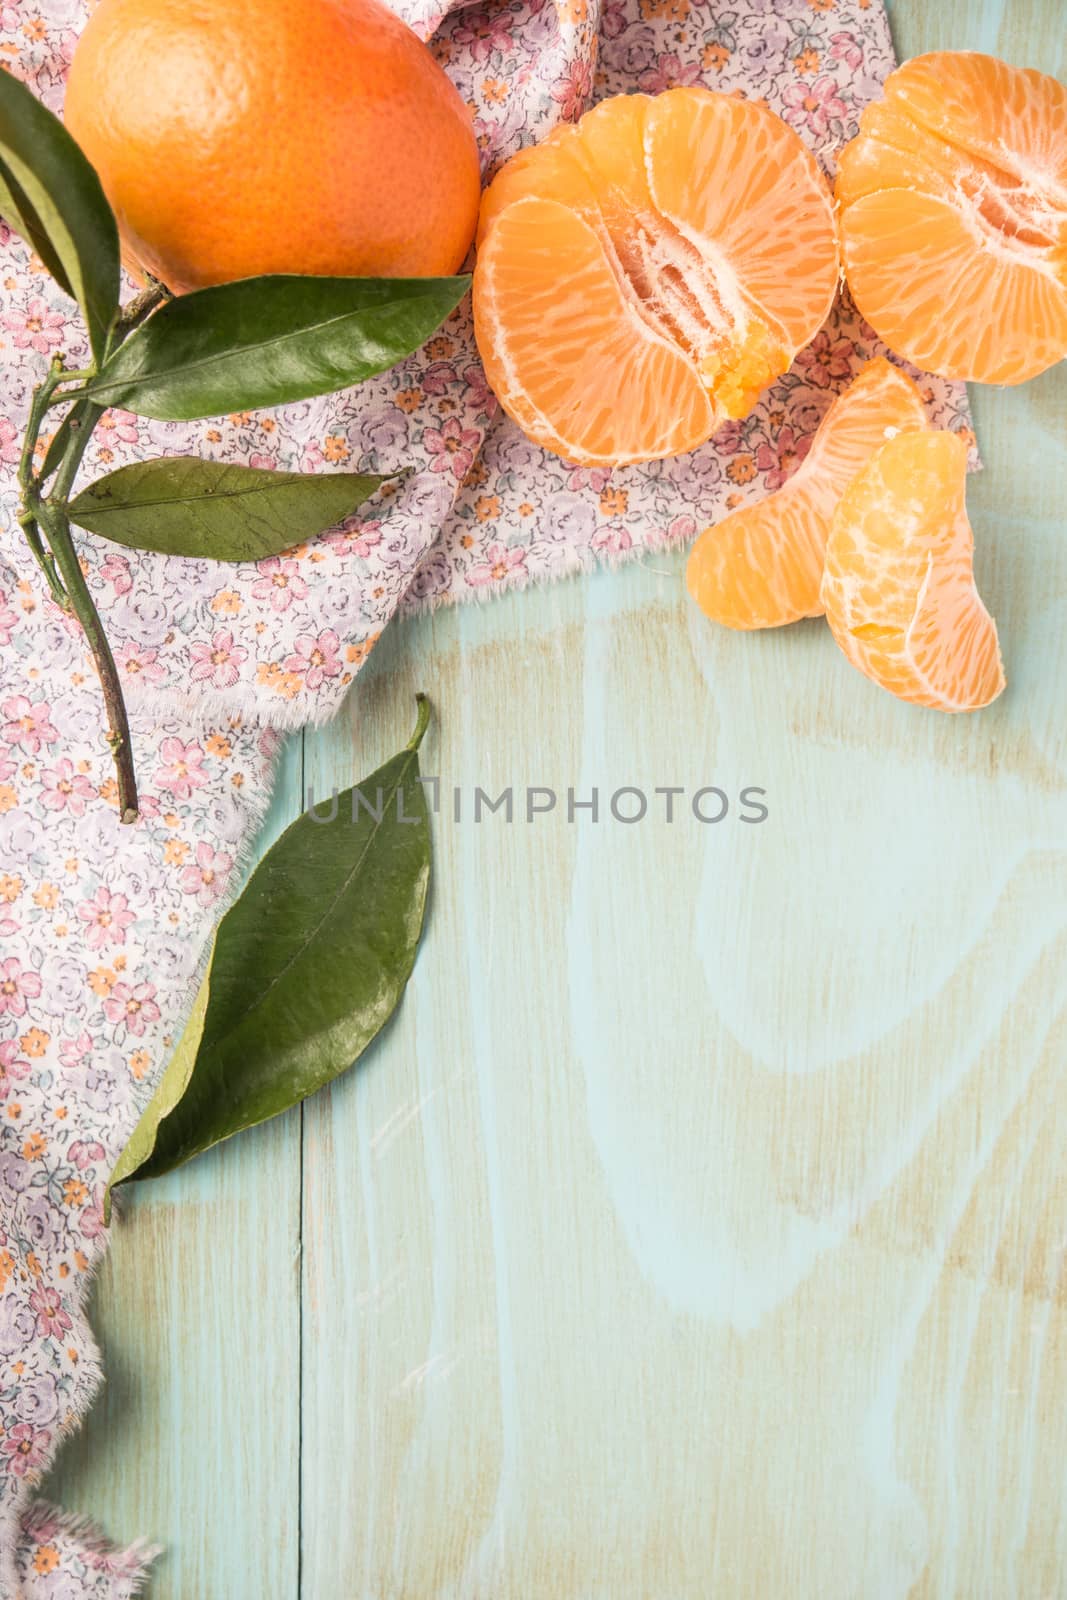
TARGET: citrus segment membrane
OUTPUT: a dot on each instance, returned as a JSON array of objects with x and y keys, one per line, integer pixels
[
  {"x": 716, "y": 243},
  {"x": 898, "y": 585},
  {"x": 953, "y": 205},
  {"x": 762, "y": 566}
]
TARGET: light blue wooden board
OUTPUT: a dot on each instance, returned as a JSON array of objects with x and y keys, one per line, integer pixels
[{"x": 696, "y": 1227}]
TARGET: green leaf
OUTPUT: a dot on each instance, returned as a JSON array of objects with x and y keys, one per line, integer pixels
[
  {"x": 310, "y": 962},
  {"x": 186, "y": 507},
  {"x": 50, "y": 193},
  {"x": 172, "y": 1086},
  {"x": 17, "y": 212},
  {"x": 267, "y": 341}
]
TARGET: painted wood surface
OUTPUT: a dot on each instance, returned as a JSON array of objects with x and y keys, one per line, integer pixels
[{"x": 698, "y": 1228}]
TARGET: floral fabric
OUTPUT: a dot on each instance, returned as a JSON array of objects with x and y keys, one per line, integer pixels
[{"x": 100, "y": 926}]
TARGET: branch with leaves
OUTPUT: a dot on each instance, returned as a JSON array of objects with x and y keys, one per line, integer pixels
[{"x": 239, "y": 347}]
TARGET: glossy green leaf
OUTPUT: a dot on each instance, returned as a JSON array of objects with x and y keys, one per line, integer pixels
[
  {"x": 311, "y": 961},
  {"x": 17, "y": 212},
  {"x": 267, "y": 341},
  {"x": 187, "y": 507},
  {"x": 51, "y": 194},
  {"x": 172, "y": 1086}
]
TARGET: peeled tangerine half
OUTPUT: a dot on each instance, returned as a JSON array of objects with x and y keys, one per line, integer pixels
[
  {"x": 953, "y": 205},
  {"x": 898, "y": 586},
  {"x": 645, "y": 273},
  {"x": 762, "y": 566}
]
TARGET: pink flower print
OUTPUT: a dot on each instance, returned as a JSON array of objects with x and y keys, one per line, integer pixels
[
  {"x": 572, "y": 91},
  {"x": 9, "y": 620},
  {"x": 363, "y": 540},
  {"x": 63, "y": 789},
  {"x": 480, "y": 398},
  {"x": 73, "y": 1052},
  {"x": 359, "y": 540},
  {"x": 452, "y": 447},
  {"x": 826, "y": 360},
  {"x": 502, "y": 566},
  {"x": 668, "y": 73},
  {"x": 847, "y": 48},
  {"x": 681, "y": 529},
  {"x": 780, "y": 460},
  {"x": 119, "y": 425},
  {"x": 207, "y": 879},
  {"x": 115, "y": 570},
  {"x": 10, "y": 443},
  {"x": 595, "y": 478},
  {"x": 264, "y": 463},
  {"x": 729, "y": 438},
  {"x": 36, "y": 328},
  {"x": 184, "y": 770},
  {"x": 811, "y": 105},
  {"x": 135, "y": 661},
  {"x": 52, "y": 1320},
  {"x": 486, "y": 33},
  {"x": 439, "y": 378},
  {"x": 315, "y": 659},
  {"x": 13, "y": 1067},
  {"x": 132, "y": 1008},
  {"x": 26, "y": 1449},
  {"x": 28, "y": 726},
  {"x": 218, "y": 663},
  {"x": 91, "y": 1220},
  {"x": 86, "y": 1153},
  {"x": 106, "y": 917},
  {"x": 17, "y": 985},
  {"x": 281, "y": 583},
  {"x": 612, "y": 541}
]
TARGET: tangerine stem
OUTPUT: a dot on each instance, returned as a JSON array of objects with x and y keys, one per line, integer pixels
[{"x": 56, "y": 528}]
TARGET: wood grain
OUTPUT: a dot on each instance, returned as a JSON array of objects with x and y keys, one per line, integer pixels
[{"x": 698, "y": 1227}]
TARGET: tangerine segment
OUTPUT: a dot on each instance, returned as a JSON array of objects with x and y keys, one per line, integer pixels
[
  {"x": 762, "y": 566},
  {"x": 898, "y": 586},
  {"x": 953, "y": 205},
  {"x": 716, "y": 261}
]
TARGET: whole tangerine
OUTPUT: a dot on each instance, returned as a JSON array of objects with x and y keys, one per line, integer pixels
[{"x": 234, "y": 138}]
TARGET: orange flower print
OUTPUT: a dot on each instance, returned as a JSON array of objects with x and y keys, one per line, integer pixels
[
  {"x": 358, "y": 653},
  {"x": 715, "y": 57},
  {"x": 35, "y": 1042},
  {"x": 101, "y": 981},
  {"x": 613, "y": 502},
  {"x": 742, "y": 469},
  {"x": 335, "y": 448},
  {"x": 75, "y": 1192},
  {"x": 227, "y": 603},
  {"x": 10, "y": 887},
  {"x": 495, "y": 90},
  {"x": 671, "y": 10},
  {"x": 46, "y": 1559},
  {"x": 487, "y": 507},
  {"x": 408, "y": 400},
  {"x": 807, "y": 61},
  {"x": 34, "y": 1147},
  {"x": 46, "y": 896},
  {"x": 140, "y": 1062}
]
